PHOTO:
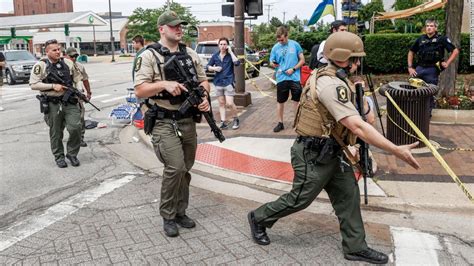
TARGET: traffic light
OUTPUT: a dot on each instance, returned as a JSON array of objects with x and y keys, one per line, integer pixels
[
  {"x": 254, "y": 7},
  {"x": 228, "y": 10},
  {"x": 66, "y": 29},
  {"x": 251, "y": 7}
]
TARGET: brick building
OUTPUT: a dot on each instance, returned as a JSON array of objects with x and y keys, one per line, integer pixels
[
  {"x": 210, "y": 31},
  {"x": 35, "y": 7}
]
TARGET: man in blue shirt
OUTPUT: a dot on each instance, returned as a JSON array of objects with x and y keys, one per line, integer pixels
[
  {"x": 287, "y": 58},
  {"x": 222, "y": 63}
]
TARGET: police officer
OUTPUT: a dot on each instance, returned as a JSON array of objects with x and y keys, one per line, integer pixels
[
  {"x": 81, "y": 82},
  {"x": 174, "y": 134},
  {"x": 429, "y": 49},
  {"x": 326, "y": 119},
  {"x": 52, "y": 76}
]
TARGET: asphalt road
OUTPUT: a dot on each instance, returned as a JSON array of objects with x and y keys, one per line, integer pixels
[{"x": 29, "y": 178}]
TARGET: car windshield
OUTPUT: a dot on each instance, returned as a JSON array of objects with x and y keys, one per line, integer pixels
[
  {"x": 207, "y": 49},
  {"x": 19, "y": 55}
]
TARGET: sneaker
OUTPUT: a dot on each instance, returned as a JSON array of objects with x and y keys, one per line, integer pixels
[
  {"x": 185, "y": 221},
  {"x": 236, "y": 123},
  {"x": 170, "y": 227},
  {"x": 368, "y": 255},
  {"x": 279, "y": 127},
  {"x": 223, "y": 125}
]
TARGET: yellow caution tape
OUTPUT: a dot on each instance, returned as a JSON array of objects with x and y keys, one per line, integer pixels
[
  {"x": 252, "y": 65},
  {"x": 433, "y": 150},
  {"x": 257, "y": 87},
  {"x": 413, "y": 136}
]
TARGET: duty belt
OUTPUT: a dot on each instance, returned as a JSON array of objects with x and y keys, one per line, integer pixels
[
  {"x": 163, "y": 113},
  {"x": 54, "y": 99},
  {"x": 316, "y": 143}
]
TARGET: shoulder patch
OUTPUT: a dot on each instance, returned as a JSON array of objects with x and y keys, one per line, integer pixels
[
  {"x": 342, "y": 94},
  {"x": 37, "y": 70},
  {"x": 138, "y": 65}
]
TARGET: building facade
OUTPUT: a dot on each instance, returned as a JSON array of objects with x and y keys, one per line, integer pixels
[
  {"x": 35, "y": 7},
  {"x": 211, "y": 31}
]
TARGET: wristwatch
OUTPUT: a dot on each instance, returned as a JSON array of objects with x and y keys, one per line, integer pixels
[{"x": 294, "y": 69}]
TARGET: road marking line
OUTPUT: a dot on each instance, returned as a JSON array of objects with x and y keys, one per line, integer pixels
[
  {"x": 12, "y": 95},
  {"x": 100, "y": 96},
  {"x": 114, "y": 99},
  {"x": 415, "y": 247},
  {"x": 25, "y": 228},
  {"x": 31, "y": 96}
]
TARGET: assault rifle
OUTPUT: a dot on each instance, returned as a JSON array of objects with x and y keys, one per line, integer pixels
[
  {"x": 365, "y": 162},
  {"x": 194, "y": 97},
  {"x": 71, "y": 92}
]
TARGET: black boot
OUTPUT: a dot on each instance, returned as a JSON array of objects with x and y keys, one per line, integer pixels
[
  {"x": 368, "y": 255},
  {"x": 74, "y": 161},
  {"x": 258, "y": 231},
  {"x": 170, "y": 227},
  {"x": 185, "y": 221},
  {"x": 61, "y": 163}
]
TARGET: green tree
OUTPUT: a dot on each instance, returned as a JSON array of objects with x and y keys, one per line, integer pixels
[
  {"x": 143, "y": 21},
  {"x": 275, "y": 22},
  {"x": 296, "y": 24}
]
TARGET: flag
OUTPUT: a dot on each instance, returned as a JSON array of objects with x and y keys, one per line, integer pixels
[{"x": 326, "y": 7}]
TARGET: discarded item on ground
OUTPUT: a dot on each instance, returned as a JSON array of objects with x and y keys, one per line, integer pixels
[
  {"x": 90, "y": 124},
  {"x": 101, "y": 125}
]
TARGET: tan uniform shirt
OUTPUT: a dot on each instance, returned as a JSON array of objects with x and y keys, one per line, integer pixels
[
  {"x": 336, "y": 96},
  {"x": 38, "y": 73},
  {"x": 83, "y": 76},
  {"x": 146, "y": 70}
]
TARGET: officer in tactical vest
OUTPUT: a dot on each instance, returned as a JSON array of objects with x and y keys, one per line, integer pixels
[
  {"x": 326, "y": 120},
  {"x": 52, "y": 76},
  {"x": 174, "y": 134}
]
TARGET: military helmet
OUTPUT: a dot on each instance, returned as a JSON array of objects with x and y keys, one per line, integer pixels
[{"x": 340, "y": 46}]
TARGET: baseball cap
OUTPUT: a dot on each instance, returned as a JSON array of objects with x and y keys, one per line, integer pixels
[
  {"x": 170, "y": 18},
  {"x": 71, "y": 51}
]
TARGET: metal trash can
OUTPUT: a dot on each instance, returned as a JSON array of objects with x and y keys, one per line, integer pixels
[{"x": 415, "y": 103}]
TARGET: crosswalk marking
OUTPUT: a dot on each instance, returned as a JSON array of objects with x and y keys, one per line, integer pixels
[
  {"x": 114, "y": 99},
  {"x": 6, "y": 96},
  {"x": 100, "y": 96}
]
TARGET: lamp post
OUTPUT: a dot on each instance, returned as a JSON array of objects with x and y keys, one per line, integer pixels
[{"x": 111, "y": 33}]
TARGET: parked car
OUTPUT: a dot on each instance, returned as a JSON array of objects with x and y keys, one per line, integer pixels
[
  {"x": 18, "y": 65},
  {"x": 206, "y": 49}
]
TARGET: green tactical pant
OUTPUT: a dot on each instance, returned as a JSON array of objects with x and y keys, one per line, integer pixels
[
  {"x": 177, "y": 154},
  {"x": 62, "y": 116},
  {"x": 310, "y": 178},
  {"x": 83, "y": 121}
]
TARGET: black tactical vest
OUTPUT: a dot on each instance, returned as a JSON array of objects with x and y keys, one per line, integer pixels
[
  {"x": 172, "y": 73},
  {"x": 58, "y": 73},
  {"x": 431, "y": 50}
]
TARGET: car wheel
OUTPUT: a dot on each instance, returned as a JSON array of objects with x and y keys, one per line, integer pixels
[{"x": 10, "y": 79}]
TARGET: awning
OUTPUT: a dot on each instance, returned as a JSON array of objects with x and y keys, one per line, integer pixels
[
  {"x": 425, "y": 7},
  {"x": 55, "y": 20},
  {"x": 7, "y": 39}
]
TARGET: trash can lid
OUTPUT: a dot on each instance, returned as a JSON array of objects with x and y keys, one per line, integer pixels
[{"x": 405, "y": 89}]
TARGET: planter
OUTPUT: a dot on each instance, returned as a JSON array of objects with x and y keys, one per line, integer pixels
[{"x": 446, "y": 116}]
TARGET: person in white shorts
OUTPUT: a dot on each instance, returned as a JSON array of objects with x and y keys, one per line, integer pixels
[{"x": 223, "y": 63}]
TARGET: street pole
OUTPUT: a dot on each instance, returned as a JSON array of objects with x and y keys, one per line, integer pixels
[
  {"x": 242, "y": 98},
  {"x": 95, "y": 45},
  {"x": 111, "y": 34}
]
